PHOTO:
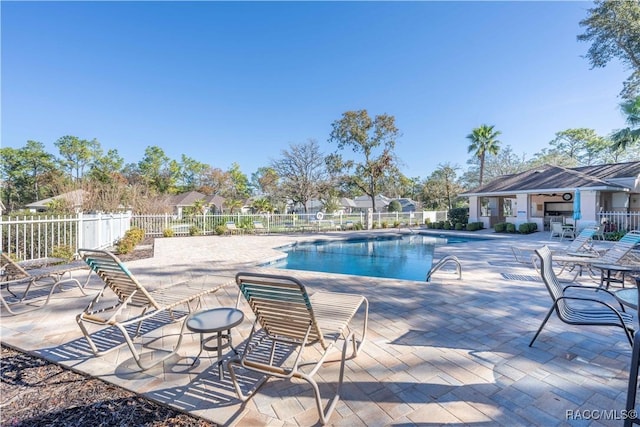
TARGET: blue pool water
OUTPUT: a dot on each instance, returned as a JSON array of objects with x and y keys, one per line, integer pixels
[{"x": 407, "y": 258}]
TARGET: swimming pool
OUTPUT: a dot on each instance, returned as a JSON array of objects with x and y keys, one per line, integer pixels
[{"x": 406, "y": 257}]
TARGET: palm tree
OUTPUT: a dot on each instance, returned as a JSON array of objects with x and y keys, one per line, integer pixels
[
  {"x": 630, "y": 135},
  {"x": 483, "y": 140}
]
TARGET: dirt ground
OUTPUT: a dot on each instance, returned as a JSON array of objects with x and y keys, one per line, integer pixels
[{"x": 34, "y": 392}]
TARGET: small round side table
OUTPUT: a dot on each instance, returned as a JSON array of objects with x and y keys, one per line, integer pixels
[{"x": 218, "y": 321}]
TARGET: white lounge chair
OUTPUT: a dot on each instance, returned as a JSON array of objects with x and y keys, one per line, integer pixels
[
  {"x": 288, "y": 316},
  {"x": 111, "y": 307}
]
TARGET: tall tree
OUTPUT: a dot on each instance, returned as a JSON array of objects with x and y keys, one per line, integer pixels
[
  {"x": 107, "y": 168},
  {"x": 483, "y": 140},
  {"x": 375, "y": 140},
  {"x": 441, "y": 188},
  {"x": 581, "y": 144},
  {"x": 302, "y": 171},
  {"x": 158, "y": 171},
  {"x": 613, "y": 28},
  {"x": 192, "y": 173},
  {"x": 77, "y": 154},
  {"x": 630, "y": 135}
]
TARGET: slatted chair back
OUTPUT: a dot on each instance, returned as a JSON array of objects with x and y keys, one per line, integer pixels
[
  {"x": 282, "y": 307},
  {"x": 621, "y": 248},
  {"x": 12, "y": 270},
  {"x": 581, "y": 240},
  {"x": 118, "y": 278},
  {"x": 550, "y": 279}
]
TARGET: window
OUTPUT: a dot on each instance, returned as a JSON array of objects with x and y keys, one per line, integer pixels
[
  {"x": 509, "y": 207},
  {"x": 485, "y": 207}
]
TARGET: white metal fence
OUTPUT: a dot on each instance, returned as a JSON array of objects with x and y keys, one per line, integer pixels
[
  {"x": 27, "y": 237},
  {"x": 619, "y": 221},
  {"x": 163, "y": 225}
]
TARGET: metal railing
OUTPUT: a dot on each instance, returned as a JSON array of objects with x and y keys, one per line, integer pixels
[
  {"x": 207, "y": 224},
  {"x": 619, "y": 221},
  {"x": 32, "y": 237}
]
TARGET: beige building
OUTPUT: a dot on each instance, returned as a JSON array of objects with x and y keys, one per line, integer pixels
[{"x": 548, "y": 193}]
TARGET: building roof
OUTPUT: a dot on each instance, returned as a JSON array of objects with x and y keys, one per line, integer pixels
[
  {"x": 550, "y": 178},
  {"x": 74, "y": 197}
]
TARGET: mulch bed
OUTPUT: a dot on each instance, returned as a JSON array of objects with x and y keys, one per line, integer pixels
[{"x": 34, "y": 392}]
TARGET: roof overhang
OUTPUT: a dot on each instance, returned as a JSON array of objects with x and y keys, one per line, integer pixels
[{"x": 547, "y": 191}]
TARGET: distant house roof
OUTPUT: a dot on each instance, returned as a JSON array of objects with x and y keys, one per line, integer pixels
[
  {"x": 183, "y": 200},
  {"x": 186, "y": 199},
  {"x": 75, "y": 198},
  {"x": 347, "y": 203},
  {"x": 548, "y": 178},
  {"x": 364, "y": 202}
]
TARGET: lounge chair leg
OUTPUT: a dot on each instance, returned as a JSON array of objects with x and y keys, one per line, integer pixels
[{"x": 542, "y": 325}]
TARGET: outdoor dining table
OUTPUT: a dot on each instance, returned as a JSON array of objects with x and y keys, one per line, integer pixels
[
  {"x": 608, "y": 272},
  {"x": 628, "y": 297}
]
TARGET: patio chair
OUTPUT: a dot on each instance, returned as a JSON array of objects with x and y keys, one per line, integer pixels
[
  {"x": 231, "y": 228},
  {"x": 288, "y": 316},
  {"x": 556, "y": 229},
  {"x": 579, "y": 304},
  {"x": 581, "y": 245},
  {"x": 111, "y": 306},
  {"x": 614, "y": 255},
  {"x": 632, "y": 387},
  {"x": 259, "y": 228},
  {"x": 13, "y": 274}
]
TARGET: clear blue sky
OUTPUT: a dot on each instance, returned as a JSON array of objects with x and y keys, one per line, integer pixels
[{"x": 239, "y": 82}]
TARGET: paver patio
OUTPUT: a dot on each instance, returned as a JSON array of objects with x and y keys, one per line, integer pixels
[{"x": 445, "y": 352}]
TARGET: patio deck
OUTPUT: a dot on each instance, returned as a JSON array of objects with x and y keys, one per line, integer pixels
[{"x": 445, "y": 352}]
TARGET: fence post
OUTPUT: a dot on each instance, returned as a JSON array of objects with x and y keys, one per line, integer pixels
[{"x": 79, "y": 232}]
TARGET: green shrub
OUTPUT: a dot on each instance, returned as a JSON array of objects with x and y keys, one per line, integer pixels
[
  {"x": 460, "y": 215},
  {"x": 131, "y": 238},
  {"x": 385, "y": 224},
  {"x": 220, "y": 230},
  {"x": 474, "y": 226},
  {"x": 396, "y": 224},
  {"x": 125, "y": 246},
  {"x": 63, "y": 252},
  {"x": 394, "y": 206},
  {"x": 136, "y": 233},
  {"x": 446, "y": 225},
  {"x": 459, "y": 226},
  {"x": 527, "y": 227},
  {"x": 500, "y": 227},
  {"x": 614, "y": 236},
  {"x": 194, "y": 231},
  {"x": 167, "y": 232},
  {"x": 511, "y": 228}
]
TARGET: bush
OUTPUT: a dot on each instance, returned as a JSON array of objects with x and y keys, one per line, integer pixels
[
  {"x": 63, "y": 252},
  {"x": 460, "y": 215},
  {"x": 385, "y": 224},
  {"x": 396, "y": 224},
  {"x": 167, "y": 232},
  {"x": 394, "y": 206},
  {"x": 446, "y": 225},
  {"x": 475, "y": 226},
  {"x": 128, "y": 242},
  {"x": 500, "y": 227},
  {"x": 459, "y": 226},
  {"x": 511, "y": 228},
  {"x": 220, "y": 230},
  {"x": 194, "y": 231},
  {"x": 527, "y": 227}
]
